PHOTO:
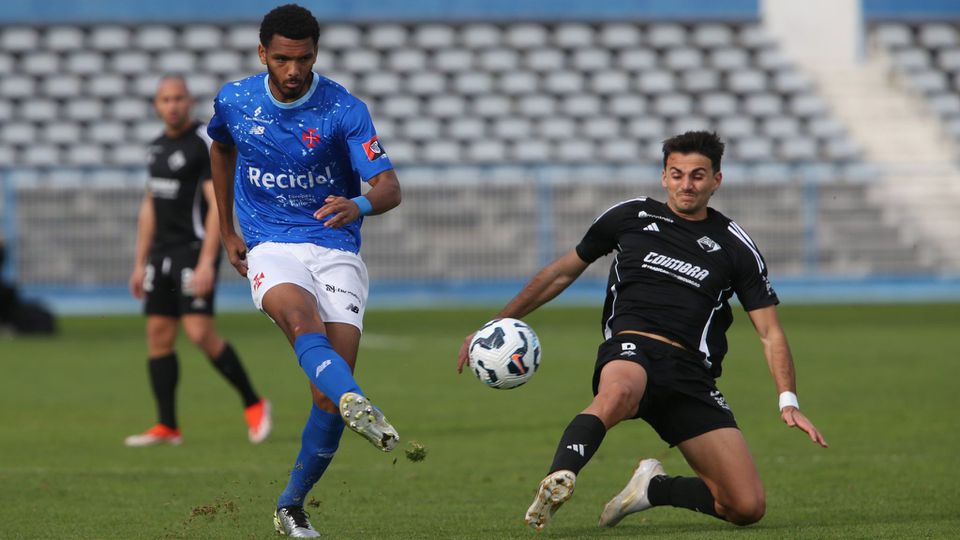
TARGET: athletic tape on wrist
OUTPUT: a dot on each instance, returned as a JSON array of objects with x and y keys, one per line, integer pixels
[
  {"x": 363, "y": 204},
  {"x": 789, "y": 399}
]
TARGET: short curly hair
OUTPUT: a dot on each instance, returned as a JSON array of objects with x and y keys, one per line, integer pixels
[
  {"x": 290, "y": 21},
  {"x": 695, "y": 142}
]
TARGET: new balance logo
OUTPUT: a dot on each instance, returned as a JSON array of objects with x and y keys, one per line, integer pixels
[
  {"x": 578, "y": 448},
  {"x": 652, "y": 227},
  {"x": 323, "y": 365}
]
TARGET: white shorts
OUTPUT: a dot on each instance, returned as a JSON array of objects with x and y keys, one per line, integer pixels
[{"x": 338, "y": 279}]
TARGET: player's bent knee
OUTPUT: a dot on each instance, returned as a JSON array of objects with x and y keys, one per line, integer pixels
[
  {"x": 745, "y": 511},
  {"x": 619, "y": 397}
]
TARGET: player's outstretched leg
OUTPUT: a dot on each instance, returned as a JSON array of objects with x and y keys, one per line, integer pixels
[
  {"x": 554, "y": 490},
  {"x": 363, "y": 417},
  {"x": 634, "y": 497},
  {"x": 292, "y": 521}
]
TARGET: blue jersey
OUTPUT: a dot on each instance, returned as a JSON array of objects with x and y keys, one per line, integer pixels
[{"x": 291, "y": 156}]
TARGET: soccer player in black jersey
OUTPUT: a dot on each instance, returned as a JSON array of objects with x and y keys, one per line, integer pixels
[
  {"x": 664, "y": 320},
  {"x": 175, "y": 269}
]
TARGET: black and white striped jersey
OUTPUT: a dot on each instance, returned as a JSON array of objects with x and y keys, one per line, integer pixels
[
  {"x": 674, "y": 277},
  {"x": 178, "y": 167}
]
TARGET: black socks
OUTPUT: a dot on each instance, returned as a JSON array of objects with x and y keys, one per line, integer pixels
[
  {"x": 683, "y": 492},
  {"x": 164, "y": 373},
  {"x": 579, "y": 442},
  {"x": 228, "y": 364}
]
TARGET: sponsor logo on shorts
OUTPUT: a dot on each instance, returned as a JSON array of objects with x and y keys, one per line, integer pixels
[
  {"x": 353, "y": 308},
  {"x": 718, "y": 397},
  {"x": 257, "y": 281},
  {"x": 374, "y": 149},
  {"x": 627, "y": 349}
]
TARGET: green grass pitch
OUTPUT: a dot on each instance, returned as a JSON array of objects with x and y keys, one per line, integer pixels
[{"x": 881, "y": 382}]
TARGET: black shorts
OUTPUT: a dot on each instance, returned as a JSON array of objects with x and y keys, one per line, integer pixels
[
  {"x": 167, "y": 285},
  {"x": 681, "y": 400}
]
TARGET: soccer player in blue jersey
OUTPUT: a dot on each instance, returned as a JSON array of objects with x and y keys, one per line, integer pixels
[{"x": 290, "y": 150}]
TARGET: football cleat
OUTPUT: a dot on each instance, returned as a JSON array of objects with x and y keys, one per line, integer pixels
[
  {"x": 634, "y": 497},
  {"x": 554, "y": 490},
  {"x": 258, "y": 421},
  {"x": 158, "y": 434},
  {"x": 292, "y": 521},
  {"x": 363, "y": 417}
]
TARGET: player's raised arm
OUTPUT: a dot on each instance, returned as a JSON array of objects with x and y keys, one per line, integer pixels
[
  {"x": 146, "y": 225},
  {"x": 549, "y": 282},
  {"x": 383, "y": 196},
  {"x": 780, "y": 361},
  {"x": 223, "y": 161}
]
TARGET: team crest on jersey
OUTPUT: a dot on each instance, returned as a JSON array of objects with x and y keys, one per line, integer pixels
[
  {"x": 373, "y": 148},
  {"x": 708, "y": 244},
  {"x": 310, "y": 137},
  {"x": 176, "y": 160}
]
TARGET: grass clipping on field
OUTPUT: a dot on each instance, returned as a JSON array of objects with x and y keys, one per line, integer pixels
[{"x": 416, "y": 451}]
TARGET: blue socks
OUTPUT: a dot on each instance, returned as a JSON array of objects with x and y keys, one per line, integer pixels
[
  {"x": 326, "y": 369},
  {"x": 321, "y": 437}
]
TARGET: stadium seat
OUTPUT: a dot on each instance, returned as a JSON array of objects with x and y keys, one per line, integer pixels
[
  {"x": 626, "y": 105},
  {"x": 945, "y": 104},
  {"x": 426, "y": 83},
  {"x": 110, "y": 38},
  {"x": 762, "y": 105},
  {"x": 19, "y": 39},
  {"x": 378, "y": 84},
  {"x": 712, "y": 36},
  {"x": 242, "y": 37},
  {"x": 556, "y": 128},
  {"x": 671, "y": 105},
  {"x": 18, "y": 133},
  {"x": 536, "y": 106},
  {"x": 937, "y": 35},
  {"x": 129, "y": 109},
  {"x": 525, "y": 36},
  {"x": 178, "y": 61},
  {"x": 621, "y": 150},
  {"x": 130, "y": 63},
  {"x": 754, "y": 36},
  {"x": 145, "y": 85},
  {"x": 910, "y": 59},
  {"x": 59, "y": 132},
  {"x": 747, "y": 81},
  {"x": 892, "y": 35},
  {"x": 486, "y": 151},
  {"x": 359, "y": 61},
  {"x": 8, "y": 154},
  {"x": 433, "y": 36},
  {"x": 41, "y": 155},
  {"x": 518, "y": 83},
  {"x": 615, "y": 36},
  {"x": 544, "y": 60},
  {"x": 62, "y": 86},
  {"x": 128, "y": 154},
  {"x": 666, "y": 36},
  {"x": 400, "y": 106},
  {"x": 491, "y": 105},
  {"x": 512, "y": 128},
  {"x": 105, "y": 132},
  {"x": 420, "y": 128},
  {"x": 728, "y": 59},
  {"x": 441, "y": 151},
  {"x": 107, "y": 85},
  {"x": 683, "y": 58},
  {"x": 772, "y": 59},
  {"x": 656, "y": 82},
  {"x": 825, "y": 127},
  {"x": 717, "y": 104},
  {"x": 647, "y": 128},
  {"x": 736, "y": 127},
  {"x": 40, "y": 63},
  {"x": 84, "y": 109},
  {"x": 84, "y": 63},
  {"x": 602, "y": 128},
  {"x": 609, "y": 83},
  {"x": 807, "y": 105},
  {"x": 7, "y": 62},
  {"x": 698, "y": 81},
  {"x": 467, "y": 129},
  {"x": 532, "y": 151},
  {"x": 201, "y": 38},
  {"x": 575, "y": 151},
  {"x": 386, "y": 128},
  {"x": 472, "y": 83},
  {"x": 637, "y": 60},
  {"x": 147, "y": 130},
  {"x": 221, "y": 62},
  {"x": 927, "y": 81},
  {"x": 17, "y": 86},
  {"x": 794, "y": 148},
  {"x": 498, "y": 60},
  {"x": 753, "y": 148},
  {"x": 790, "y": 81},
  {"x": 453, "y": 60},
  {"x": 85, "y": 154},
  {"x": 155, "y": 38},
  {"x": 387, "y": 36},
  {"x": 573, "y": 36},
  {"x": 37, "y": 110},
  {"x": 780, "y": 127},
  {"x": 771, "y": 172},
  {"x": 203, "y": 84},
  {"x": 446, "y": 106},
  {"x": 580, "y": 105},
  {"x": 590, "y": 59},
  {"x": 6, "y": 111},
  {"x": 63, "y": 38},
  {"x": 480, "y": 36},
  {"x": 406, "y": 60},
  {"x": 948, "y": 59},
  {"x": 563, "y": 82},
  {"x": 339, "y": 37}
]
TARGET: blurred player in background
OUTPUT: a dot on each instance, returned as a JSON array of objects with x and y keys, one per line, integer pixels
[
  {"x": 665, "y": 320},
  {"x": 175, "y": 269},
  {"x": 291, "y": 148}
]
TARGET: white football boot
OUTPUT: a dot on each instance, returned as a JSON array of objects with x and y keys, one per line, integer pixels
[
  {"x": 363, "y": 417},
  {"x": 292, "y": 521},
  {"x": 634, "y": 497},
  {"x": 554, "y": 490}
]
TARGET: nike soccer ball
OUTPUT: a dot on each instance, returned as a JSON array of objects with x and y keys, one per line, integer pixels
[{"x": 504, "y": 353}]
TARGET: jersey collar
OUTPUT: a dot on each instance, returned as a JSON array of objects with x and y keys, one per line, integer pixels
[{"x": 293, "y": 104}]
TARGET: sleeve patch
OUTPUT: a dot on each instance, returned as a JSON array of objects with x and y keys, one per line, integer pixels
[{"x": 373, "y": 148}]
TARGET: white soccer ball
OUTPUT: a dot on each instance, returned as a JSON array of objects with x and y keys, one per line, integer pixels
[{"x": 504, "y": 353}]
